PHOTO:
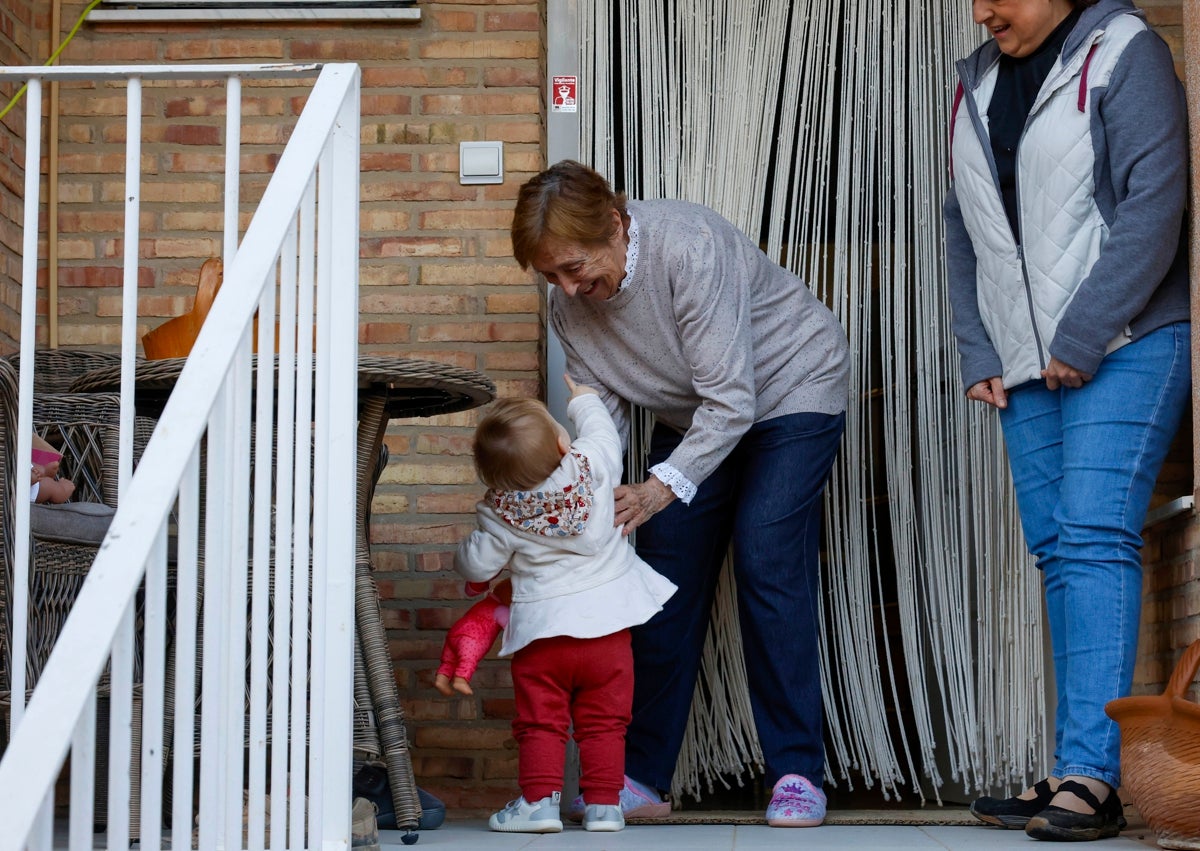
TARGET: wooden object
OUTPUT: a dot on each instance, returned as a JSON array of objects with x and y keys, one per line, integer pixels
[{"x": 174, "y": 338}]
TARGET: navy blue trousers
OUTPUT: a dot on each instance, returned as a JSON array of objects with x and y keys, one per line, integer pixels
[{"x": 767, "y": 497}]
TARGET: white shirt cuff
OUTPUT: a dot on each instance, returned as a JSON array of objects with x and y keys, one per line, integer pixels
[{"x": 679, "y": 484}]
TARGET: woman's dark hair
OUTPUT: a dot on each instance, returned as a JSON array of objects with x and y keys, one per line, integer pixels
[
  {"x": 567, "y": 201},
  {"x": 1083, "y": 4}
]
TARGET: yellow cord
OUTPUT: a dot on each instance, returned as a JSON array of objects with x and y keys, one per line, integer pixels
[{"x": 83, "y": 16}]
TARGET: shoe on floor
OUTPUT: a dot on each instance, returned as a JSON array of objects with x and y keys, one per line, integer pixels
[
  {"x": 795, "y": 802},
  {"x": 1013, "y": 812},
  {"x": 433, "y": 811},
  {"x": 635, "y": 804},
  {"x": 603, "y": 817},
  {"x": 364, "y": 830},
  {"x": 371, "y": 782},
  {"x": 521, "y": 816},
  {"x": 1059, "y": 824}
]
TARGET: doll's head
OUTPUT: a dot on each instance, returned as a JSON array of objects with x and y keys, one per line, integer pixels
[{"x": 518, "y": 444}]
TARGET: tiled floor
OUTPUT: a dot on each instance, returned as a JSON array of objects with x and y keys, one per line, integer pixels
[{"x": 474, "y": 836}]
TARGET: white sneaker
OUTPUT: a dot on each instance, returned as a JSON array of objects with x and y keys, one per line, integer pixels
[
  {"x": 364, "y": 828},
  {"x": 605, "y": 817},
  {"x": 520, "y": 816}
]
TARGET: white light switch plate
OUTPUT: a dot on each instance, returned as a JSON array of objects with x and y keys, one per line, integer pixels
[{"x": 480, "y": 162}]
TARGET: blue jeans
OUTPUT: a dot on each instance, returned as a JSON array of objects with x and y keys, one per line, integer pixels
[
  {"x": 1084, "y": 463},
  {"x": 767, "y": 496}
]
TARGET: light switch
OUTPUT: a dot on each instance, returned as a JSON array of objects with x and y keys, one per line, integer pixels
[{"x": 480, "y": 162}]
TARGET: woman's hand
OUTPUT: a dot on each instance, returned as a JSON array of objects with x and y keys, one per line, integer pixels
[
  {"x": 1058, "y": 374},
  {"x": 990, "y": 390},
  {"x": 635, "y": 504}
]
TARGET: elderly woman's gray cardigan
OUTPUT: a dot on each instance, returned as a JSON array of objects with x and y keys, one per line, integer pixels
[{"x": 707, "y": 333}]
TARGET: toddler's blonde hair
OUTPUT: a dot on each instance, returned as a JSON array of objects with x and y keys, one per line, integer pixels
[{"x": 516, "y": 445}]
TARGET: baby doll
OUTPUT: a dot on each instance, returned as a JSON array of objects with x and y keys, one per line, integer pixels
[
  {"x": 45, "y": 483},
  {"x": 472, "y": 636}
]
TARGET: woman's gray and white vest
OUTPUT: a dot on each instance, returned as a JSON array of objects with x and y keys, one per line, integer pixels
[{"x": 1024, "y": 289}]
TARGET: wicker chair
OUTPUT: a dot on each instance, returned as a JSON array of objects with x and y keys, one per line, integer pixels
[
  {"x": 84, "y": 427},
  {"x": 58, "y": 369}
]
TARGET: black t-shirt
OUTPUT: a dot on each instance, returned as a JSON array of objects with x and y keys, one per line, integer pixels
[{"x": 1017, "y": 87}]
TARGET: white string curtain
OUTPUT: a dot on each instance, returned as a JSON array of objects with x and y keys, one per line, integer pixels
[{"x": 822, "y": 128}]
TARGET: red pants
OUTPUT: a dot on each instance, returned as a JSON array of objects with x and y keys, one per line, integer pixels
[{"x": 588, "y": 681}]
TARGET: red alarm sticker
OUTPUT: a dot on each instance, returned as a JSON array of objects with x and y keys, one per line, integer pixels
[{"x": 564, "y": 93}]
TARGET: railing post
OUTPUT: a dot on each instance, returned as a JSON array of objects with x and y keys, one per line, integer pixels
[
  {"x": 339, "y": 297},
  {"x": 29, "y": 247}
]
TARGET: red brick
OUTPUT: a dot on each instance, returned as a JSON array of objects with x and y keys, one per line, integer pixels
[
  {"x": 480, "y": 332},
  {"x": 499, "y": 708},
  {"x": 386, "y": 104},
  {"x": 417, "y": 533},
  {"x": 389, "y": 161},
  {"x": 477, "y": 738},
  {"x": 514, "y": 131},
  {"x": 435, "y": 561},
  {"x": 514, "y": 361},
  {"x": 447, "y": 503},
  {"x": 514, "y": 303},
  {"x": 512, "y": 21},
  {"x": 484, "y": 104},
  {"x": 441, "y": 618},
  {"x": 266, "y": 49},
  {"x": 418, "y": 76},
  {"x": 492, "y": 274},
  {"x": 496, "y": 768},
  {"x": 384, "y": 332},
  {"x": 442, "y": 766},
  {"x": 482, "y": 48},
  {"x": 441, "y": 443},
  {"x": 448, "y": 21},
  {"x": 417, "y": 189},
  {"x": 194, "y": 134}
]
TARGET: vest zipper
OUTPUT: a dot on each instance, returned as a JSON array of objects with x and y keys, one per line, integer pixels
[{"x": 1037, "y": 337}]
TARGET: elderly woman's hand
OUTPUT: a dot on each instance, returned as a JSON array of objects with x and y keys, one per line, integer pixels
[{"x": 638, "y": 503}]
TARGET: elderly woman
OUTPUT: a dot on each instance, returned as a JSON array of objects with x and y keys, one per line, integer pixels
[
  {"x": 1068, "y": 279},
  {"x": 666, "y": 305}
]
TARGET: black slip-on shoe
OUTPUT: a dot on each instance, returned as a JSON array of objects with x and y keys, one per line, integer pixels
[
  {"x": 1058, "y": 824},
  {"x": 1013, "y": 812}
]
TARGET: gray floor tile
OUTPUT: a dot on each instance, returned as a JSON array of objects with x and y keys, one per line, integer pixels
[{"x": 474, "y": 836}]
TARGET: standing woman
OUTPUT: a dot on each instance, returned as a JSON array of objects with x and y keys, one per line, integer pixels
[
  {"x": 666, "y": 305},
  {"x": 1068, "y": 280}
]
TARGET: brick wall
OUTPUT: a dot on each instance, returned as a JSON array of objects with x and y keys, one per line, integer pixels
[
  {"x": 1170, "y": 601},
  {"x": 1171, "y": 556},
  {"x": 15, "y": 49}
]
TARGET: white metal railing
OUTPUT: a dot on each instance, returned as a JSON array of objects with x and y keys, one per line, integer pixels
[{"x": 280, "y": 573}]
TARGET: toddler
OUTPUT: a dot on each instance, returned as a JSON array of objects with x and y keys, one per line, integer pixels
[{"x": 577, "y": 588}]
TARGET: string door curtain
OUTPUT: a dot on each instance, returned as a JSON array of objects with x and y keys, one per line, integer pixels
[{"x": 820, "y": 128}]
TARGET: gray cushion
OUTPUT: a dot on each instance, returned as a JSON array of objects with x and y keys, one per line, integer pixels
[{"x": 71, "y": 522}]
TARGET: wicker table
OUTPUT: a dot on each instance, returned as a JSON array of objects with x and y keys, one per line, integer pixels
[{"x": 388, "y": 388}]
